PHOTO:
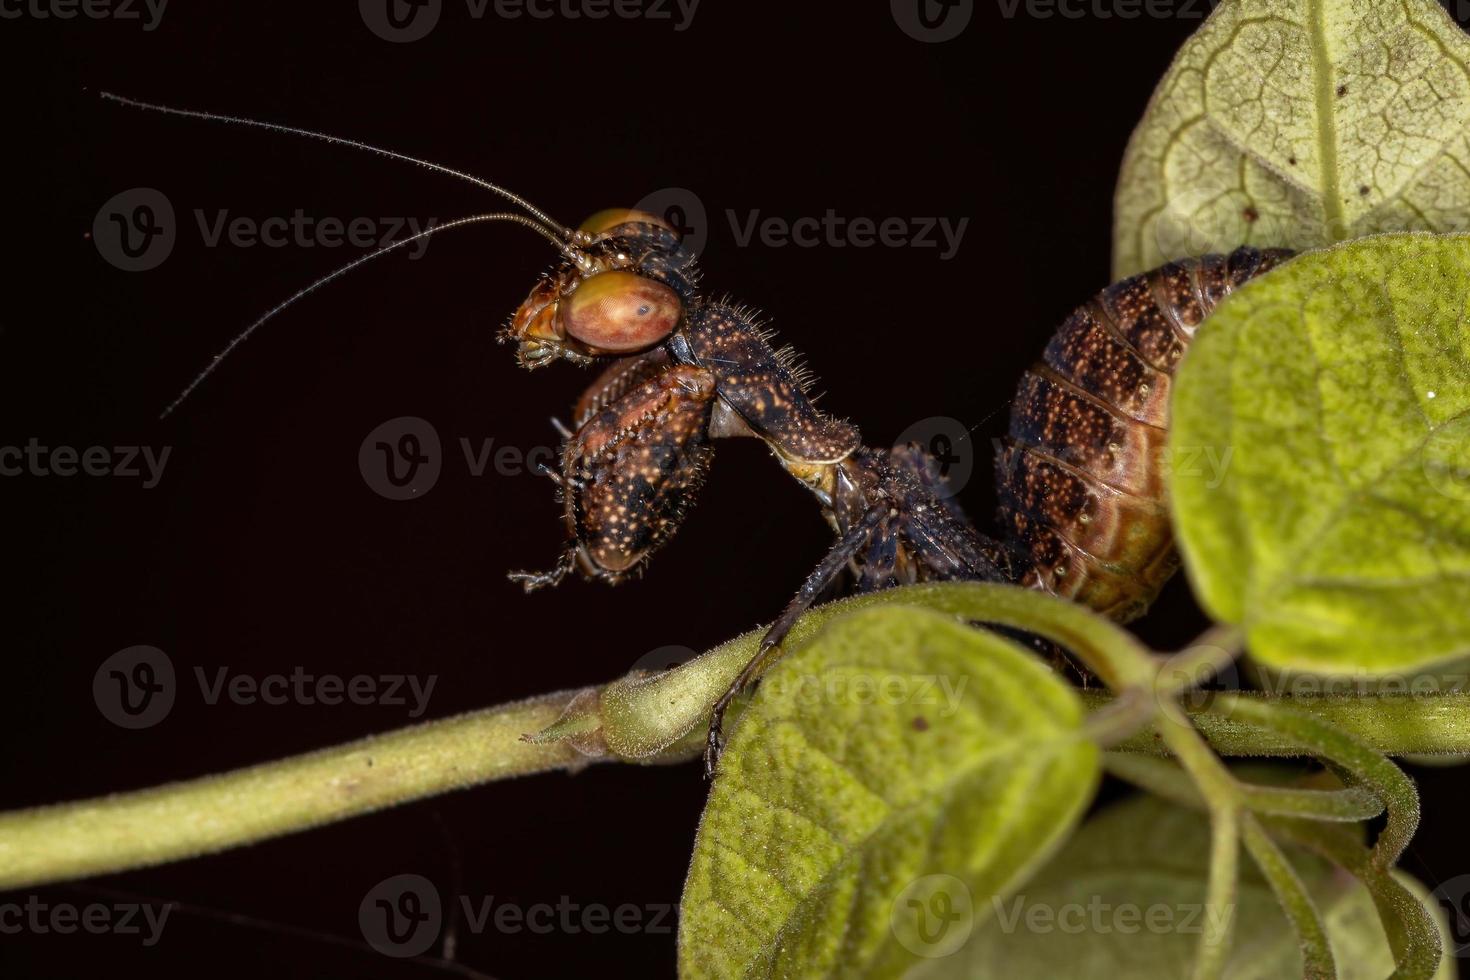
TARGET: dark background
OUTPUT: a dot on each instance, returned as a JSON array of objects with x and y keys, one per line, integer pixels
[{"x": 263, "y": 549}]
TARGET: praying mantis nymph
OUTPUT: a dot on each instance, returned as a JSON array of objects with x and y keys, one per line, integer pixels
[{"x": 1080, "y": 475}]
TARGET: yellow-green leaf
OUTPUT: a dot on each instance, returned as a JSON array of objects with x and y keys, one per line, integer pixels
[
  {"x": 1337, "y": 391},
  {"x": 1299, "y": 123},
  {"x": 1125, "y": 897},
  {"x": 883, "y": 785}
]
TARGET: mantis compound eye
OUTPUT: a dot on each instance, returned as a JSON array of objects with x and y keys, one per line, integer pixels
[
  {"x": 620, "y": 313},
  {"x": 619, "y": 292}
]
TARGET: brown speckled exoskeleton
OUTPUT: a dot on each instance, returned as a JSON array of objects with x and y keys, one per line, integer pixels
[
  {"x": 1080, "y": 475},
  {"x": 639, "y": 444}
]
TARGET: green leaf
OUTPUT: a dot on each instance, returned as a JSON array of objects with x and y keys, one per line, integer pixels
[
  {"x": 881, "y": 787},
  {"x": 1300, "y": 123},
  {"x": 1336, "y": 391},
  {"x": 1124, "y": 898}
]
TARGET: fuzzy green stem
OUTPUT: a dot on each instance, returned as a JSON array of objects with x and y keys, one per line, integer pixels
[
  {"x": 1164, "y": 778},
  {"x": 1369, "y": 767},
  {"x": 1218, "y": 788},
  {"x": 1411, "y": 931},
  {"x": 1291, "y": 893},
  {"x": 200, "y": 816},
  {"x": 1394, "y": 724},
  {"x": 645, "y": 719}
]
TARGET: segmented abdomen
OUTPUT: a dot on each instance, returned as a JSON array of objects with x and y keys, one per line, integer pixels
[{"x": 1080, "y": 477}]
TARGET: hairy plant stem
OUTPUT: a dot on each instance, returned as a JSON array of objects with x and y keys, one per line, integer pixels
[
  {"x": 1318, "y": 962},
  {"x": 200, "y": 816},
  {"x": 1393, "y": 724},
  {"x": 1223, "y": 801},
  {"x": 640, "y": 719}
]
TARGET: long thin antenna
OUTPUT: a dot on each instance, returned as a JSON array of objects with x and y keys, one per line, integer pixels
[
  {"x": 244, "y": 335},
  {"x": 516, "y": 199}
]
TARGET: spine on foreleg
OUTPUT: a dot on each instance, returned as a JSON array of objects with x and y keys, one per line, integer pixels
[{"x": 1080, "y": 477}]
